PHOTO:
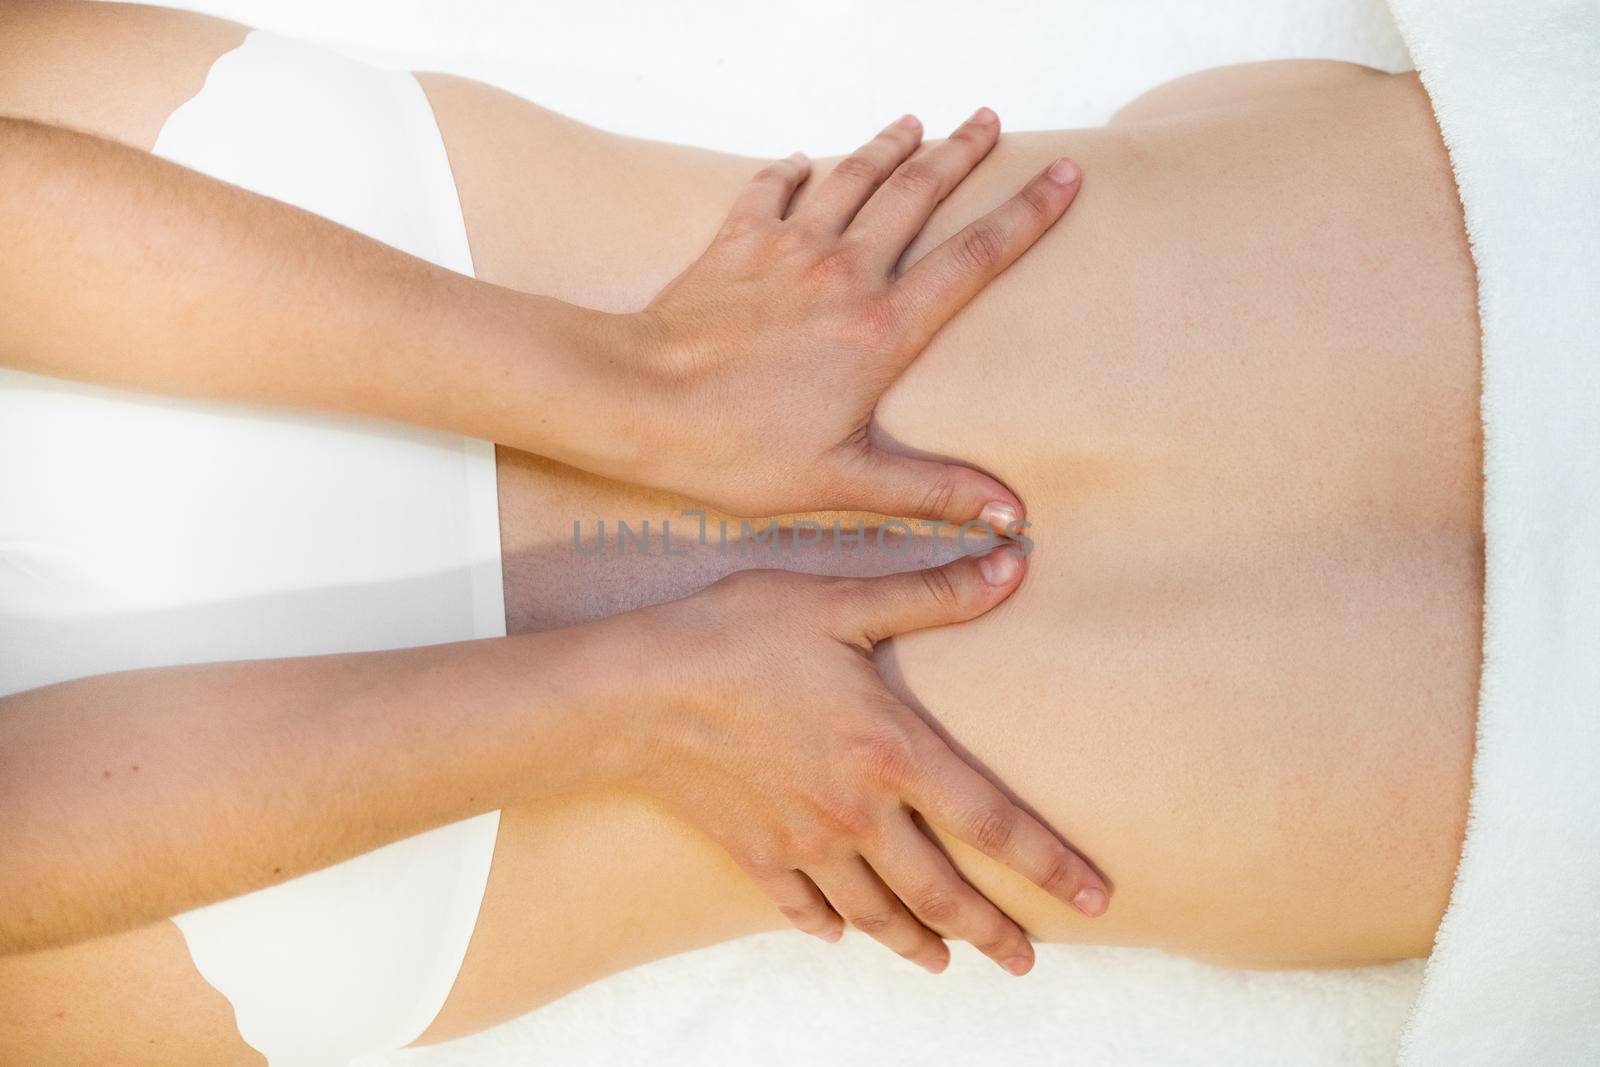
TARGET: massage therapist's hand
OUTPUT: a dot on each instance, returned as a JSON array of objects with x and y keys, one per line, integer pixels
[
  {"x": 769, "y": 728},
  {"x": 775, "y": 346},
  {"x": 749, "y": 382}
]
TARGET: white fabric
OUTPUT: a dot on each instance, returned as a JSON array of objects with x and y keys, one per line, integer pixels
[
  {"x": 1515, "y": 973},
  {"x": 138, "y": 531}
]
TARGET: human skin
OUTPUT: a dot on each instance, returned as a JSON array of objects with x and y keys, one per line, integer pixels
[
  {"x": 152, "y": 270},
  {"x": 1237, "y": 389},
  {"x": 155, "y": 269},
  {"x": 130, "y": 271}
]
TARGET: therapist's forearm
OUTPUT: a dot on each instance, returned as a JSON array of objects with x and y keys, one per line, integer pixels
[
  {"x": 130, "y": 797},
  {"x": 124, "y": 269}
]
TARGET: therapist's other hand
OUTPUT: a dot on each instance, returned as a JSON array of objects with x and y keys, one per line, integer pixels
[
  {"x": 777, "y": 343},
  {"x": 769, "y": 728}
]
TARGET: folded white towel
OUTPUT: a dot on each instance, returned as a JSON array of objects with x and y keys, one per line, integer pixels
[{"x": 1515, "y": 973}]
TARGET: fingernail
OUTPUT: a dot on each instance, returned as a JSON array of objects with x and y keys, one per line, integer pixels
[
  {"x": 1018, "y": 965},
  {"x": 1063, "y": 171},
  {"x": 908, "y": 122},
  {"x": 984, "y": 117},
  {"x": 999, "y": 567},
  {"x": 999, "y": 515},
  {"x": 798, "y": 157},
  {"x": 935, "y": 966},
  {"x": 1091, "y": 900},
  {"x": 832, "y": 936}
]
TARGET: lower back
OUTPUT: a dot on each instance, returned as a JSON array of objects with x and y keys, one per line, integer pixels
[{"x": 1236, "y": 388}]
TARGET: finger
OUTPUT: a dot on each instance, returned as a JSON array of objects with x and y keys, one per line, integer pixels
[
  {"x": 801, "y": 902},
  {"x": 855, "y": 177},
  {"x": 766, "y": 196},
  {"x": 858, "y": 894},
  {"x": 886, "y": 483},
  {"x": 946, "y": 279},
  {"x": 896, "y": 213},
  {"x": 955, "y": 797},
  {"x": 938, "y": 596},
  {"x": 917, "y": 872}
]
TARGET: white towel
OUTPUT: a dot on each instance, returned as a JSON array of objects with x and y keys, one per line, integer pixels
[{"x": 1515, "y": 973}]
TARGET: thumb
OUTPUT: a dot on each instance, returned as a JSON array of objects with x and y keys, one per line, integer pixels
[
  {"x": 938, "y": 596},
  {"x": 889, "y": 484}
]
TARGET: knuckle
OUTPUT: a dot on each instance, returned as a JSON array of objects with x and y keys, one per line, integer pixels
[
  {"x": 874, "y": 922},
  {"x": 938, "y": 908},
  {"x": 848, "y": 816},
  {"x": 981, "y": 247},
  {"x": 794, "y": 241},
  {"x": 841, "y": 263},
  {"x": 773, "y": 172},
  {"x": 804, "y": 916},
  {"x": 1036, "y": 200},
  {"x": 941, "y": 590},
  {"x": 999, "y": 946},
  {"x": 876, "y": 323},
  {"x": 811, "y": 850},
  {"x": 1061, "y": 875},
  {"x": 918, "y": 179},
  {"x": 887, "y": 760},
  {"x": 857, "y": 168},
  {"x": 972, "y": 134},
  {"x": 937, "y": 501},
  {"x": 970, "y": 144},
  {"x": 759, "y": 860},
  {"x": 993, "y": 828}
]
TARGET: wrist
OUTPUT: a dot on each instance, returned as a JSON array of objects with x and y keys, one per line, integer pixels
[
  {"x": 596, "y": 389},
  {"x": 633, "y": 671},
  {"x": 588, "y": 703}
]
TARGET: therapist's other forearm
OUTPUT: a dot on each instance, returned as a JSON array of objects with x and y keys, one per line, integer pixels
[
  {"x": 129, "y": 797},
  {"x": 124, "y": 269}
]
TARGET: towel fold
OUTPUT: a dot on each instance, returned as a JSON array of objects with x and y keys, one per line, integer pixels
[{"x": 1515, "y": 972}]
